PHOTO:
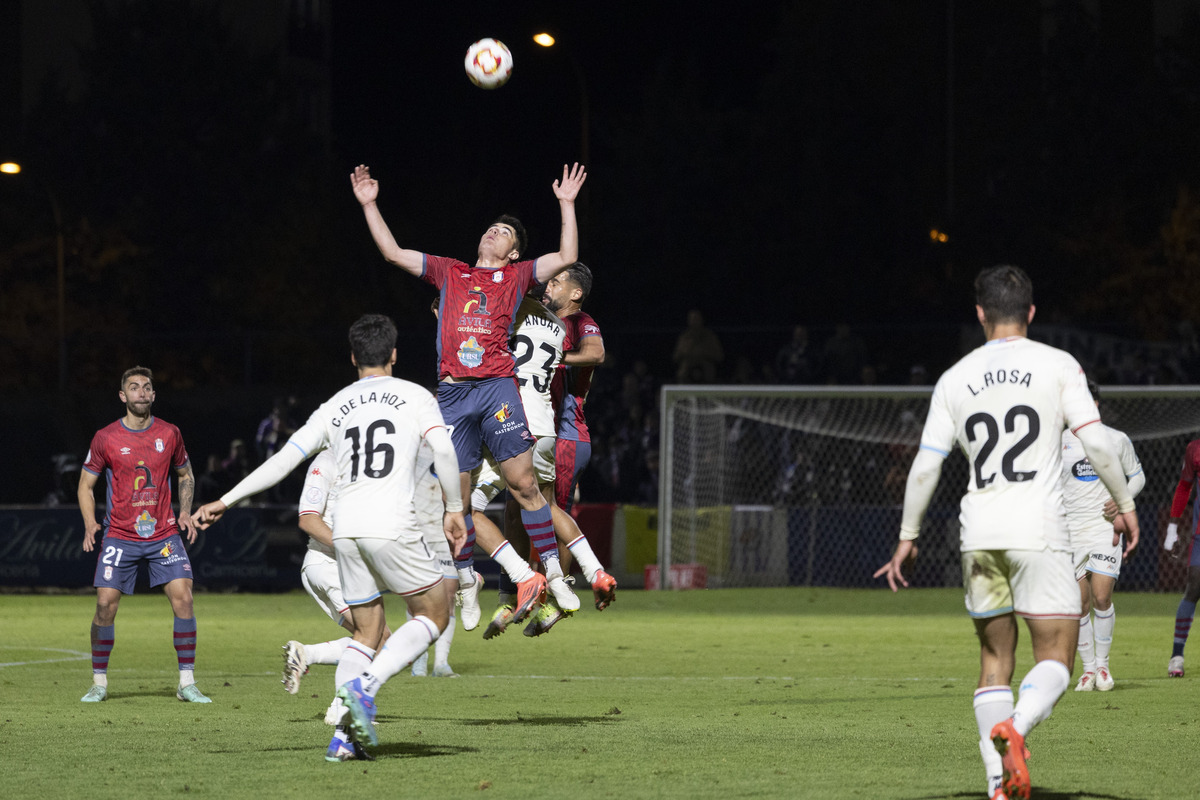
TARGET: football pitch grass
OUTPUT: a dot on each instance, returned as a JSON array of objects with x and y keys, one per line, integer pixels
[{"x": 789, "y": 693}]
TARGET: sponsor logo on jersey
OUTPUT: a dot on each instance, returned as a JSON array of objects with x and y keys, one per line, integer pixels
[
  {"x": 1083, "y": 471},
  {"x": 1105, "y": 557},
  {"x": 470, "y": 353},
  {"x": 168, "y": 548},
  {"x": 503, "y": 413},
  {"x": 478, "y": 300},
  {"x": 144, "y": 525},
  {"x": 125, "y": 451}
]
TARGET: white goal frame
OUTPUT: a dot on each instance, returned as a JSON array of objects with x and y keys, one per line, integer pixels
[{"x": 1157, "y": 419}]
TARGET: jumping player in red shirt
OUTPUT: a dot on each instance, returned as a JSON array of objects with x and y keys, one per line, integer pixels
[
  {"x": 478, "y": 392},
  {"x": 137, "y": 455}
]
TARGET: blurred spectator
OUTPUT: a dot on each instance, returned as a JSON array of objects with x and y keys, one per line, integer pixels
[
  {"x": 237, "y": 464},
  {"x": 844, "y": 356},
  {"x": 795, "y": 363},
  {"x": 647, "y": 488},
  {"x": 213, "y": 482},
  {"x": 275, "y": 428},
  {"x": 918, "y": 375},
  {"x": 697, "y": 351}
]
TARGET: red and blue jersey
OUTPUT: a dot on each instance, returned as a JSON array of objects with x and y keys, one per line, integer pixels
[
  {"x": 475, "y": 315},
  {"x": 570, "y": 386},
  {"x": 137, "y": 467}
]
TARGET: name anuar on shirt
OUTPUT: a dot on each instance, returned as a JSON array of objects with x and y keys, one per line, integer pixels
[
  {"x": 384, "y": 398},
  {"x": 1001, "y": 377}
]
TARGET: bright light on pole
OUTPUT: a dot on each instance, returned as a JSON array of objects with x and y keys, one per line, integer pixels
[
  {"x": 546, "y": 40},
  {"x": 13, "y": 168}
]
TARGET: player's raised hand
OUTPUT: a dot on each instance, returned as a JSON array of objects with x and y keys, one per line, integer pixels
[
  {"x": 208, "y": 513},
  {"x": 905, "y": 555},
  {"x": 366, "y": 188},
  {"x": 572, "y": 181},
  {"x": 1126, "y": 524}
]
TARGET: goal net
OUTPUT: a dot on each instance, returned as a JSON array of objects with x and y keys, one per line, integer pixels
[{"x": 792, "y": 486}]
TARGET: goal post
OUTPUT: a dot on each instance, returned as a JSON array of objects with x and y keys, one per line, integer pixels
[{"x": 804, "y": 486}]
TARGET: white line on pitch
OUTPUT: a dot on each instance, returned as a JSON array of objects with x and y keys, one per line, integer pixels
[{"x": 75, "y": 656}]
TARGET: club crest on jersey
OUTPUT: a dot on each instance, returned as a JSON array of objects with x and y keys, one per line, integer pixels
[
  {"x": 503, "y": 413},
  {"x": 470, "y": 353},
  {"x": 158, "y": 445},
  {"x": 498, "y": 276},
  {"x": 144, "y": 525}
]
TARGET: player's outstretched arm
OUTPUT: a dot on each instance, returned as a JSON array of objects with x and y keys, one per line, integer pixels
[
  {"x": 87, "y": 507},
  {"x": 589, "y": 354},
  {"x": 366, "y": 191},
  {"x": 566, "y": 190}
]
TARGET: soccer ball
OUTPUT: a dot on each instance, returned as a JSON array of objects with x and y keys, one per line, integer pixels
[{"x": 488, "y": 63}]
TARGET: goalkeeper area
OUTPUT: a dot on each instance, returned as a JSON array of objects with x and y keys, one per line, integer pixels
[
  {"x": 742, "y": 693},
  {"x": 790, "y": 486}
]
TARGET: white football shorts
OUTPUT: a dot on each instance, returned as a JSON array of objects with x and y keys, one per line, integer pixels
[
  {"x": 319, "y": 574},
  {"x": 1100, "y": 557},
  {"x": 1038, "y": 584},
  {"x": 369, "y": 567}
]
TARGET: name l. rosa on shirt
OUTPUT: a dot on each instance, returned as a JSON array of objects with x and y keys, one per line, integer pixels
[{"x": 1002, "y": 376}]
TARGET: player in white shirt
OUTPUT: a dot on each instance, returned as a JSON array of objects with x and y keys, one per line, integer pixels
[
  {"x": 1090, "y": 511},
  {"x": 374, "y": 428},
  {"x": 1005, "y": 405},
  {"x": 427, "y": 499}
]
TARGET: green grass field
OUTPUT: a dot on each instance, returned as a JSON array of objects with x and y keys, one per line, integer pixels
[{"x": 790, "y": 693}]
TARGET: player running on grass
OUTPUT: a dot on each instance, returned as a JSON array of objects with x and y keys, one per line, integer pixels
[
  {"x": 1174, "y": 544},
  {"x": 137, "y": 455},
  {"x": 374, "y": 427},
  {"x": 1090, "y": 511},
  {"x": 477, "y": 394},
  {"x": 1005, "y": 404}
]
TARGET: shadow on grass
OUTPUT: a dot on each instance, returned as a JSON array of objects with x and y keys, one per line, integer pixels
[
  {"x": 522, "y": 719},
  {"x": 1038, "y": 794}
]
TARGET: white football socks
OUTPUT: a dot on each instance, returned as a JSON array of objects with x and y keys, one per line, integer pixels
[
  {"x": 400, "y": 650},
  {"x": 1105, "y": 622},
  {"x": 326, "y": 652},
  {"x": 993, "y": 704},
  {"x": 1087, "y": 654},
  {"x": 585, "y": 557},
  {"x": 516, "y": 567},
  {"x": 1040, "y": 690}
]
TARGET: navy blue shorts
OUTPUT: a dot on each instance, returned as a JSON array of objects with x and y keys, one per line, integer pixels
[
  {"x": 485, "y": 412},
  {"x": 117, "y": 564}
]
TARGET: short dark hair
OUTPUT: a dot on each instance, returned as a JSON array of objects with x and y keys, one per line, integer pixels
[
  {"x": 372, "y": 340},
  {"x": 1005, "y": 294},
  {"x": 579, "y": 274},
  {"x": 129, "y": 373},
  {"x": 518, "y": 229}
]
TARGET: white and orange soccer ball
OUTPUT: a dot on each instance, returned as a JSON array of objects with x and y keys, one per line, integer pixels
[{"x": 489, "y": 63}]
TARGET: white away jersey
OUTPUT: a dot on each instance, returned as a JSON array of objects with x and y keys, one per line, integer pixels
[
  {"x": 1084, "y": 493},
  {"x": 537, "y": 345},
  {"x": 1005, "y": 404},
  {"x": 319, "y": 495},
  {"x": 374, "y": 428}
]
